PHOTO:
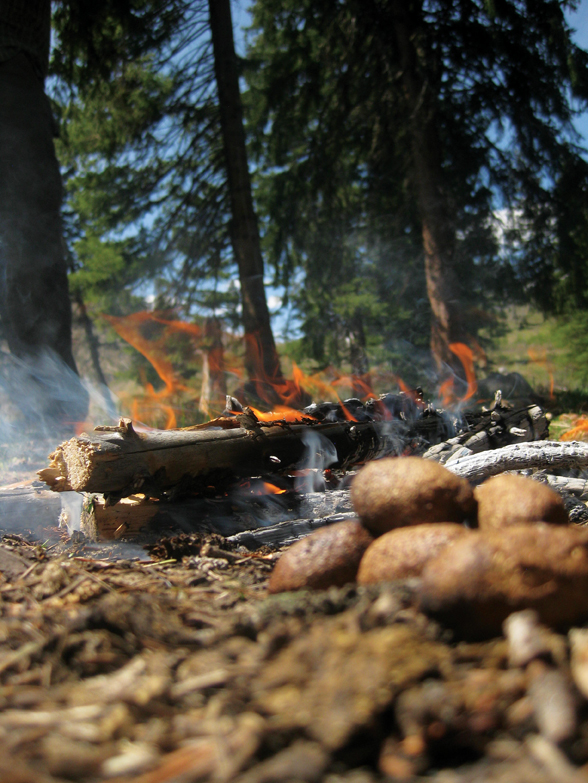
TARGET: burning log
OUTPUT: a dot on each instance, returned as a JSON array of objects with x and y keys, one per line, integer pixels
[{"x": 120, "y": 461}]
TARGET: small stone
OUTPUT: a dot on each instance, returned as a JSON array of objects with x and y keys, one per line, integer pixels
[
  {"x": 508, "y": 499},
  {"x": 328, "y": 557},
  {"x": 483, "y": 577},
  {"x": 579, "y": 658},
  {"x": 527, "y": 638},
  {"x": 400, "y": 491},
  {"x": 403, "y": 553},
  {"x": 553, "y": 702}
]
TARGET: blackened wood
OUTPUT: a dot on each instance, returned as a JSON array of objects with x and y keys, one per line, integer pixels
[{"x": 139, "y": 517}]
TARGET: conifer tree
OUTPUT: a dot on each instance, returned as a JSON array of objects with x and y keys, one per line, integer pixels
[
  {"x": 446, "y": 111},
  {"x": 148, "y": 167}
]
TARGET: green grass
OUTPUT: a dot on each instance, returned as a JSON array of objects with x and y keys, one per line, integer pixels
[{"x": 537, "y": 348}]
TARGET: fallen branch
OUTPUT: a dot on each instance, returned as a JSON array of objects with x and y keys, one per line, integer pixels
[
  {"x": 574, "y": 486},
  {"x": 284, "y": 533},
  {"x": 540, "y": 454},
  {"x": 119, "y": 461}
]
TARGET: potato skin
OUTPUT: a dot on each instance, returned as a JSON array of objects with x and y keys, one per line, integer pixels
[
  {"x": 513, "y": 500},
  {"x": 404, "y": 552},
  {"x": 476, "y": 583},
  {"x": 328, "y": 557},
  {"x": 400, "y": 491}
]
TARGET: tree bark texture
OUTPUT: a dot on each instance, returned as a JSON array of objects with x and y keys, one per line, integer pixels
[
  {"x": 427, "y": 177},
  {"x": 261, "y": 358}
]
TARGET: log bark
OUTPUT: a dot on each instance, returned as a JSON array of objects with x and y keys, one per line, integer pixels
[{"x": 118, "y": 461}]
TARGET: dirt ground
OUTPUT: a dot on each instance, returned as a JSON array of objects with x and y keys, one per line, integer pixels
[
  {"x": 180, "y": 667},
  {"x": 175, "y": 665}
]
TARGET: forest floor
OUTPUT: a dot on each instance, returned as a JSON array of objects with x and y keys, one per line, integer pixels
[
  {"x": 129, "y": 665},
  {"x": 186, "y": 669}
]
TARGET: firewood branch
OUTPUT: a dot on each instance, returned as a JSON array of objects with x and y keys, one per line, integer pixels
[
  {"x": 121, "y": 461},
  {"x": 539, "y": 455}
]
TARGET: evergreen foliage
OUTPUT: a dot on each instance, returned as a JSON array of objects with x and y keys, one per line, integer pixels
[
  {"x": 142, "y": 154},
  {"x": 335, "y": 129},
  {"x": 343, "y": 153}
]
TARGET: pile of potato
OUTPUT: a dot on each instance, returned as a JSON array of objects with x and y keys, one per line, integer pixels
[{"x": 480, "y": 553}]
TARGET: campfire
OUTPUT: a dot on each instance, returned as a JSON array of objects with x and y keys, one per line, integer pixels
[{"x": 289, "y": 549}]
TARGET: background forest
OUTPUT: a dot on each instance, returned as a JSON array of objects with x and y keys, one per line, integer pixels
[{"x": 371, "y": 184}]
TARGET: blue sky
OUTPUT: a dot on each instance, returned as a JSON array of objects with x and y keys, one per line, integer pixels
[{"x": 579, "y": 21}]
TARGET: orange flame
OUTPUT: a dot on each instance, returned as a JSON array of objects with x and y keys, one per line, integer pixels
[
  {"x": 578, "y": 432},
  {"x": 297, "y": 391},
  {"x": 260, "y": 488},
  {"x": 271, "y": 489},
  {"x": 283, "y": 395},
  {"x": 447, "y": 389},
  {"x": 154, "y": 350},
  {"x": 539, "y": 356},
  {"x": 206, "y": 344},
  {"x": 281, "y": 413}
]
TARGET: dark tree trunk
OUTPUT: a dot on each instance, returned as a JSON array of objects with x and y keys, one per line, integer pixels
[
  {"x": 438, "y": 228},
  {"x": 261, "y": 358}
]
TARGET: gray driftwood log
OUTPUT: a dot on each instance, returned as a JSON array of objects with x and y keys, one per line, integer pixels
[{"x": 538, "y": 455}]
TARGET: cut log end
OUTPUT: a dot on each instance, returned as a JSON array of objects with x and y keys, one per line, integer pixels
[{"x": 70, "y": 466}]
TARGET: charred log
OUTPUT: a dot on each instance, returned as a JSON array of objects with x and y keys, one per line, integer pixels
[{"x": 119, "y": 461}]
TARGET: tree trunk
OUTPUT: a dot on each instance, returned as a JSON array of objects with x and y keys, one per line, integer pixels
[
  {"x": 214, "y": 385},
  {"x": 93, "y": 346},
  {"x": 438, "y": 228},
  {"x": 261, "y": 358},
  {"x": 360, "y": 379}
]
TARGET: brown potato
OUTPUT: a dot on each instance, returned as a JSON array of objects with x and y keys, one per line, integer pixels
[
  {"x": 514, "y": 500},
  {"x": 400, "y": 491},
  {"x": 403, "y": 553},
  {"x": 483, "y": 577},
  {"x": 329, "y": 556}
]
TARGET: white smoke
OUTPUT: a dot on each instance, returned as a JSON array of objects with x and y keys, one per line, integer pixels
[{"x": 319, "y": 454}]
